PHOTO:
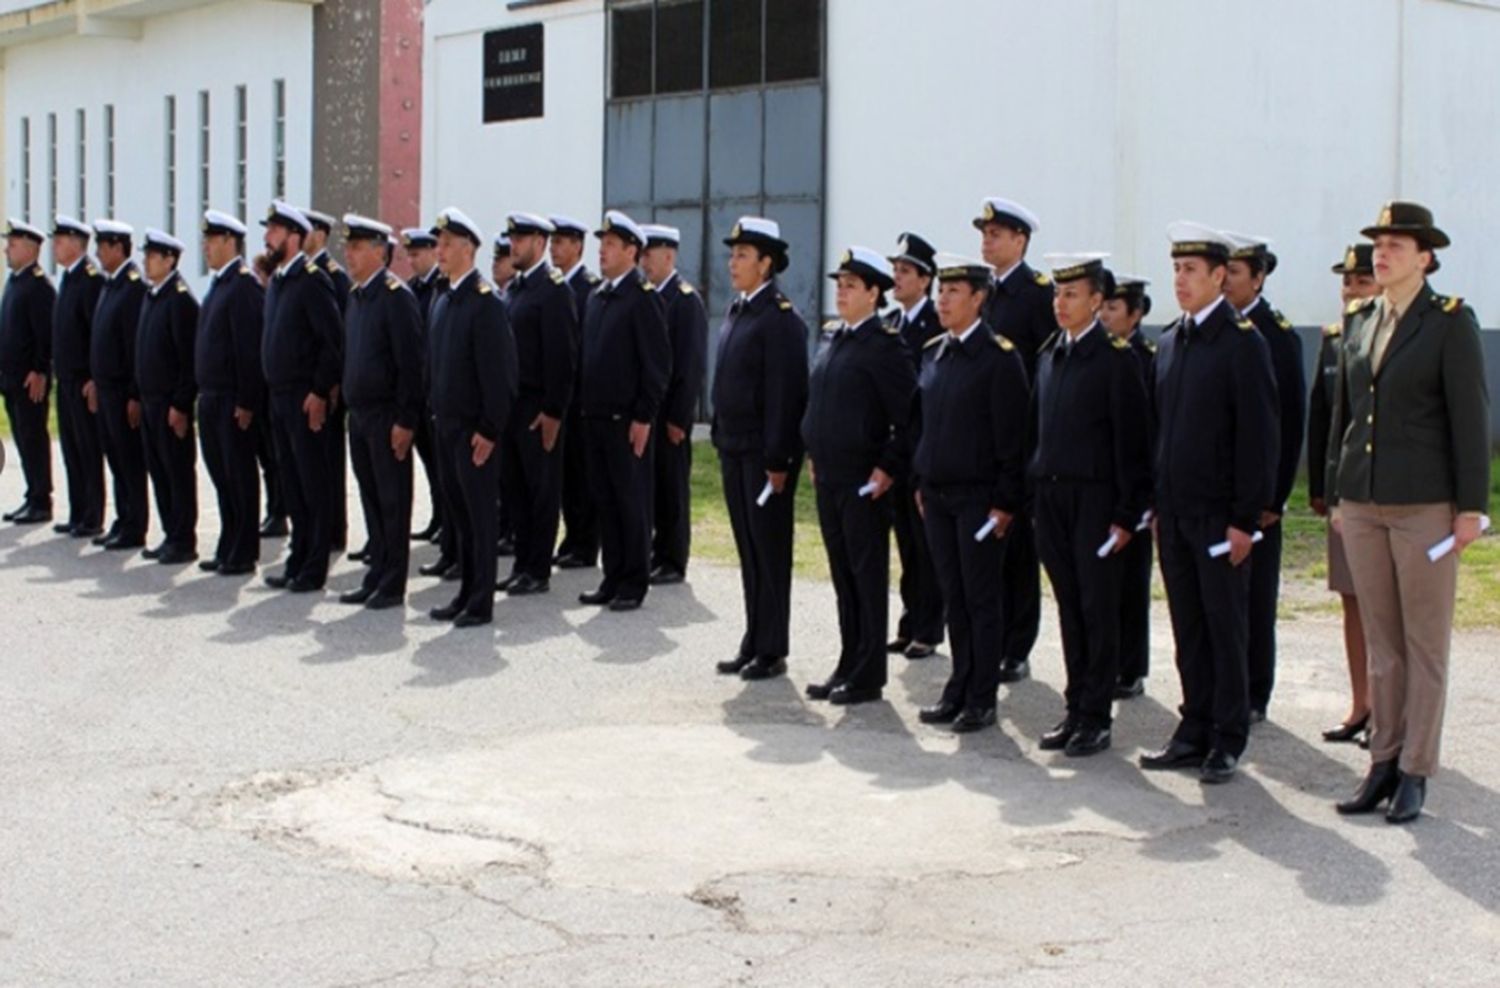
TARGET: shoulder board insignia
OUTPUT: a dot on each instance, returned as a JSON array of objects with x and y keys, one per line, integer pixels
[
  {"x": 1358, "y": 305},
  {"x": 1041, "y": 278},
  {"x": 783, "y": 305},
  {"x": 831, "y": 324},
  {"x": 557, "y": 276},
  {"x": 484, "y": 287},
  {"x": 312, "y": 268},
  {"x": 1332, "y": 330},
  {"x": 38, "y": 271},
  {"x": 91, "y": 271},
  {"x": 333, "y": 265},
  {"x": 935, "y": 340},
  {"x": 1245, "y": 325},
  {"x": 685, "y": 288},
  {"x": 890, "y": 329},
  {"x": 593, "y": 278},
  {"x": 1449, "y": 305},
  {"x": 1004, "y": 344},
  {"x": 1283, "y": 321},
  {"x": 1150, "y": 347},
  {"x": 181, "y": 287},
  {"x": 244, "y": 269},
  {"x": 1118, "y": 343},
  {"x": 134, "y": 275},
  {"x": 646, "y": 286},
  {"x": 392, "y": 282}
]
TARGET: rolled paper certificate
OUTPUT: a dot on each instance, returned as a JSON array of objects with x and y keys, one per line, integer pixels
[
  {"x": 1145, "y": 521},
  {"x": 1109, "y": 545},
  {"x": 986, "y": 529},
  {"x": 869, "y": 489},
  {"x": 1222, "y": 548},
  {"x": 1446, "y": 545},
  {"x": 765, "y": 495}
]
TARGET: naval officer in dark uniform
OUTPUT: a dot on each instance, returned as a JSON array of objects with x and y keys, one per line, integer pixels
[
  {"x": 231, "y": 391},
  {"x": 1250, "y": 263},
  {"x": 472, "y": 356},
  {"x": 970, "y": 475},
  {"x": 164, "y": 375},
  {"x": 1020, "y": 309},
  {"x": 626, "y": 360},
  {"x": 857, "y": 433},
  {"x": 1088, "y": 442},
  {"x": 1124, "y": 308},
  {"x": 920, "y": 628},
  {"x": 543, "y": 322},
  {"x": 383, "y": 387},
  {"x": 78, "y": 284},
  {"x": 303, "y": 359},
  {"x": 672, "y": 442},
  {"x": 580, "y": 544},
  {"x": 1215, "y": 465},
  {"x": 759, "y": 396},
  {"x": 26, "y": 366},
  {"x": 113, "y": 393},
  {"x": 421, "y": 253},
  {"x": 316, "y": 248}
]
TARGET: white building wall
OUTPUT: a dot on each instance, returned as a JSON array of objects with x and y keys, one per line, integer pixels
[
  {"x": 552, "y": 164},
  {"x": 215, "y": 48}
]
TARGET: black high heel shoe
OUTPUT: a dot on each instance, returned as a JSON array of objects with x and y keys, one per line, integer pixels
[{"x": 1344, "y": 733}]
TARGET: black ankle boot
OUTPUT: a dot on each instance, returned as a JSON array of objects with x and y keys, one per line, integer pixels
[
  {"x": 1378, "y": 786},
  {"x": 1406, "y": 804}
]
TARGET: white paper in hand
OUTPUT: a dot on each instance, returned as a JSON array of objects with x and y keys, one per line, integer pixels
[
  {"x": 1447, "y": 545},
  {"x": 986, "y": 529},
  {"x": 869, "y": 489},
  {"x": 765, "y": 495},
  {"x": 1109, "y": 545},
  {"x": 1222, "y": 548}
]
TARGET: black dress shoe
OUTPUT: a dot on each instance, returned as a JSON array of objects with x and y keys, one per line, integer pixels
[
  {"x": 1406, "y": 804},
  {"x": 86, "y": 531},
  {"x": 920, "y": 650},
  {"x": 897, "y": 645},
  {"x": 123, "y": 543},
  {"x": 33, "y": 516},
  {"x": 277, "y": 581},
  {"x": 1087, "y": 741},
  {"x": 11, "y": 514},
  {"x": 63, "y": 528},
  {"x": 763, "y": 667},
  {"x": 821, "y": 691},
  {"x": 570, "y": 561},
  {"x": 453, "y": 573},
  {"x": 622, "y": 604},
  {"x": 236, "y": 569},
  {"x": 732, "y": 667},
  {"x": 1057, "y": 739},
  {"x": 437, "y": 568},
  {"x": 1257, "y": 715},
  {"x": 527, "y": 585},
  {"x": 273, "y": 528},
  {"x": 384, "y": 601},
  {"x": 505, "y": 584},
  {"x": 468, "y": 619},
  {"x": 303, "y": 584},
  {"x": 973, "y": 719},
  {"x": 154, "y": 552},
  {"x": 1177, "y": 754},
  {"x": 445, "y": 613},
  {"x": 939, "y": 713},
  {"x": 845, "y": 695},
  {"x": 1129, "y": 689},
  {"x": 1345, "y": 732},
  {"x": 427, "y": 533},
  {"x": 176, "y": 556},
  {"x": 598, "y": 598},
  {"x": 437, "y": 536},
  {"x": 360, "y": 555},
  {"x": 103, "y": 538},
  {"x": 1379, "y": 785},
  {"x": 505, "y": 547},
  {"x": 1014, "y": 670},
  {"x": 1218, "y": 767},
  {"x": 356, "y": 596},
  {"x": 666, "y": 576},
  {"x": 209, "y": 565}
]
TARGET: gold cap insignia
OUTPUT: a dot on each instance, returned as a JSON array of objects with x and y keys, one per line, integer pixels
[{"x": 1385, "y": 216}]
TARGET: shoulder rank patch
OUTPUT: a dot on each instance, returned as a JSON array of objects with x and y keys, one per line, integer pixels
[
  {"x": 181, "y": 287},
  {"x": 831, "y": 325},
  {"x": 593, "y": 278},
  {"x": 392, "y": 282},
  {"x": 134, "y": 275},
  {"x": 37, "y": 270},
  {"x": 1332, "y": 330},
  {"x": 557, "y": 276},
  {"x": 1358, "y": 305},
  {"x": 1041, "y": 278},
  {"x": 783, "y": 305},
  {"x": 646, "y": 286},
  {"x": 1118, "y": 343},
  {"x": 244, "y": 269},
  {"x": 1150, "y": 347},
  {"x": 1283, "y": 321},
  {"x": 1004, "y": 344},
  {"x": 936, "y": 340},
  {"x": 312, "y": 268},
  {"x": 684, "y": 288},
  {"x": 333, "y": 265},
  {"x": 483, "y": 286},
  {"x": 1447, "y": 304},
  {"x": 90, "y": 270},
  {"x": 1245, "y": 325}
]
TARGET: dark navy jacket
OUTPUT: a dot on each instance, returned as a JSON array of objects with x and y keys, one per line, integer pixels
[
  {"x": 543, "y": 321},
  {"x": 626, "y": 357},
  {"x": 687, "y": 330},
  {"x": 116, "y": 320},
  {"x": 164, "y": 345},
  {"x": 73, "y": 320},
  {"x": 231, "y": 321},
  {"x": 919, "y": 333},
  {"x": 1291, "y": 390},
  {"x": 859, "y": 405},
  {"x": 760, "y": 379},
  {"x": 383, "y": 359},
  {"x": 472, "y": 357},
  {"x": 26, "y": 325},
  {"x": 1020, "y": 309},
  {"x": 301, "y": 350}
]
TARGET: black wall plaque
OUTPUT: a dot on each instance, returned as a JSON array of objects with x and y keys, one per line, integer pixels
[{"x": 513, "y": 73}]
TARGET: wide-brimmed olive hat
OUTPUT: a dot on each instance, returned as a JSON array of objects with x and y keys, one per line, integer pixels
[{"x": 1409, "y": 218}]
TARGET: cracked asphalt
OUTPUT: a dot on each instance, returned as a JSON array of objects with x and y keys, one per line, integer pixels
[{"x": 205, "y": 782}]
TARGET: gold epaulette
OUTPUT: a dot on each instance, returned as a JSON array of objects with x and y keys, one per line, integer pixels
[
  {"x": 132, "y": 275},
  {"x": 1004, "y": 344},
  {"x": 1244, "y": 324},
  {"x": 1448, "y": 304},
  {"x": 181, "y": 287},
  {"x": 684, "y": 288},
  {"x": 1041, "y": 278},
  {"x": 483, "y": 286},
  {"x": 1282, "y": 320},
  {"x": 935, "y": 340},
  {"x": 392, "y": 282},
  {"x": 1118, "y": 343},
  {"x": 1332, "y": 331},
  {"x": 558, "y": 276}
]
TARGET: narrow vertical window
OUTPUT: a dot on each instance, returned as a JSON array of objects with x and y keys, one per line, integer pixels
[
  {"x": 109, "y": 161},
  {"x": 240, "y": 139},
  {"x": 82, "y": 161},
  {"x": 26, "y": 169},
  {"x": 170, "y": 171},
  {"x": 278, "y": 139},
  {"x": 203, "y": 162}
]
